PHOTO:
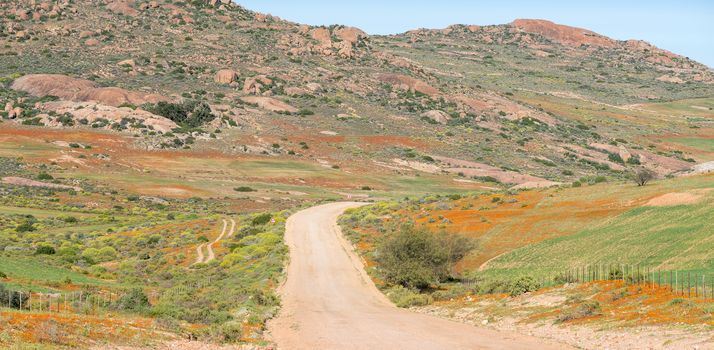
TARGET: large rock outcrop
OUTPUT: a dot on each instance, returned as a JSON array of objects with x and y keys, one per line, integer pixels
[
  {"x": 566, "y": 35},
  {"x": 80, "y": 90}
]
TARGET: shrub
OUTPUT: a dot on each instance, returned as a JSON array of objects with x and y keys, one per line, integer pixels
[
  {"x": 586, "y": 309},
  {"x": 642, "y": 176},
  {"x": 44, "y": 176},
  {"x": 230, "y": 332},
  {"x": 523, "y": 285},
  {"x": 615, "y": 157},
  {"x": 45, "y": 250},
  {"x": 634, "y": 160},
  {"x": 99, "y": 255},
  {"x": 189, "y": 114},
  {"x": 135, "y": 300},
  {"x": 404, "y": 297},
  {"x": 305, "y": 112},
  {"x": 2, "y": 275},
  {"x": 416, "y": 258},
  {"x": 244, "y": 189},
  {"x": 25, "y": 226},
  {"x": 261, "y": 219},
  {"x": 69, "y": 219}
]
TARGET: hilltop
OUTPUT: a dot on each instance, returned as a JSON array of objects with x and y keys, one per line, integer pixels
[{"x": 473, "y": 101}]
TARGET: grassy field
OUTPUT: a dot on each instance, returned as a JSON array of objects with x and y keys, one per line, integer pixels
[
  {"x": 666, "y": 238},
  {"x": 35, "y": 269},
  {"x": 542, "y": 233},
  {"x": 701, "y": 143}
]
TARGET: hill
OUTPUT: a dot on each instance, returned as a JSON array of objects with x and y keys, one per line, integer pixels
[
  {"x": 472, "y": 101},
  {"x": 133, "y": 132}
]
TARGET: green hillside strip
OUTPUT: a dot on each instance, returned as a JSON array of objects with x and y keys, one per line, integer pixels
[
  {"x": 39, "y": 213},
  {"x": 669, "y": 238},
  {"x": 704, "y": 144},
  {"x": 33, "y": 269}
]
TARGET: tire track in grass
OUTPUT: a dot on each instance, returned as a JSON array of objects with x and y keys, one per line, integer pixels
[
  {"x": 211, "y": 253},
  {"x": 199, "y": 251}
]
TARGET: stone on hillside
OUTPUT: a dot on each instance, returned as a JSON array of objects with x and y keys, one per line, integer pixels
[
  {"x": 85, "y": 34},
  {"x": 437, "y": 116},
  {"x": 92, "y": 42},
  {"x": 74, "y": 89},
  {"x": 127, "y": 63},
  {"x": 225, "y": 76},
  {"x": 351, "y": 35},
  {"x": 313, "y": 87},
  {"x": 254, "y": 85}
]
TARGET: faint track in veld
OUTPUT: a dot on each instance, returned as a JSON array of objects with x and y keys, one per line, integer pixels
[{"x": 201, "y": 258}]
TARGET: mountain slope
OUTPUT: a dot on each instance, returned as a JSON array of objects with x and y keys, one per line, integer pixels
[{"x": 548, "y": 102}]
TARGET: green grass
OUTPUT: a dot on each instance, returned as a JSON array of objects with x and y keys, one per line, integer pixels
[
  {"x": 39, "y": 213},
  {"x": 33, "y": 269},
  {"x": 667, "y": 238},
  {"x": 703, "y": 144}
]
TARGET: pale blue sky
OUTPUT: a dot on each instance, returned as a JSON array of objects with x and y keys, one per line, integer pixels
[{"x": 684, "y": 27}]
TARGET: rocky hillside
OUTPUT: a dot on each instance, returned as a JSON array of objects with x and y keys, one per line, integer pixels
[{"x": 528, "y": 103}]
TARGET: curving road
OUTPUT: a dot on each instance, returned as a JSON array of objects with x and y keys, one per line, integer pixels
[
  {"x": 329, "y": 302},
  {"x": 209, "y": 247}
]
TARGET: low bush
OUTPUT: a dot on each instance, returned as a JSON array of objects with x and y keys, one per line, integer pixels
[
  {"x": 135, "y": 300},
  {"x": 405, "y": 297},
  {"x": 261, "y": 219},
  {"x": 189, "y": 114},
  {"x": 244, "y": 189},
  {"x": 523, "y": 285},
  {"x": 586, "y": 309},
  {"x": 45, "y": 250}
]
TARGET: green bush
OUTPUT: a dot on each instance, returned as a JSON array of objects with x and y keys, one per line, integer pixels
[
  {"x": 44, "y": 176},
  {"x": 230, "y": 332},
  {"x": 305, "y": 112},
  {"x": 615, "y": 157},
  {"x": 45, "y": 250},
  {"x": 244, "y": 189},
  {"x": 2, "y": 275},
  {"x": 404, "y": 297},
  {"x": 523, "y": 285},
  {"x": 190, "y": 113},
  {"x": 134, "y": 300},
  {"x": 261, "y": 219},
  {"x": 25, "y": 226},
  {"x": 416, "y": 258}
]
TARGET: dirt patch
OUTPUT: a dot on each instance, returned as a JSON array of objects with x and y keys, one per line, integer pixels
[{"x": 670, "y": 199}]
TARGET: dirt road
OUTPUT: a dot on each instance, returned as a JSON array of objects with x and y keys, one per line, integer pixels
[
  {"x": 209, "y": 247},
  {"x": 329, "y": 302}
]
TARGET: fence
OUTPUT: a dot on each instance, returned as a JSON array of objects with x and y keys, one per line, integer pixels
[
  {"x": 73, "y": 302},
  {"x": 681, "y": 283},
  {"x": 86, "y": 301}
]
